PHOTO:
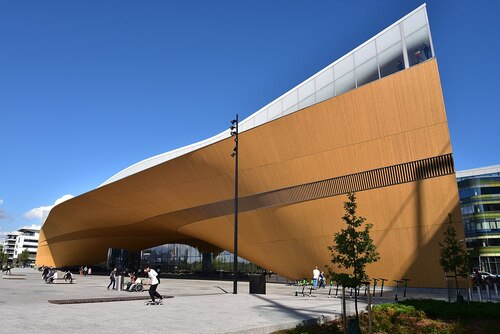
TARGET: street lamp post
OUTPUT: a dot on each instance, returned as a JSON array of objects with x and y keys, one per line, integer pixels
[{"x": 234, "y": 133}]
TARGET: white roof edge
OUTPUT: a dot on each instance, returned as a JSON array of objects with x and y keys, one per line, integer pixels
[
  {"x": 29, "y": 229},
  {"x": 331, "y": 64},
  {"x": 479, "y": 171},
  {"x": 207, "y": 141},
  {"x": 163, "y": 157},
  {"x": 13, "y": 233}
]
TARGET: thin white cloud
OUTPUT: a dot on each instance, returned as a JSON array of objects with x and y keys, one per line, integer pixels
[
  {"x": 33, "y": 226},
  {"x": 37, "y": 213},
  {"x": 4, "y": 234},
  {"x": 63, "y": 198},
  {"x": 1, "y": 201}
]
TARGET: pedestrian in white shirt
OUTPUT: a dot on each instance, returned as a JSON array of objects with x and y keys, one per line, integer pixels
[
  {"x": 315, "y": 277},
  {"x": 153, "y": 275}
]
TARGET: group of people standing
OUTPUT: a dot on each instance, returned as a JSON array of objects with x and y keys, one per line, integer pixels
[
  {"x": 423, "y": 53},
  {"x": 84, "y": 271},
  {"x": 318, "y": 278}
]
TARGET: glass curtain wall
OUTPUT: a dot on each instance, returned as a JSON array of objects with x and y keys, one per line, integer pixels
[
  {"x": 184, "y": 260},
  {"x": 406, "y": 43},
  {"x": 480, "y": 206}
]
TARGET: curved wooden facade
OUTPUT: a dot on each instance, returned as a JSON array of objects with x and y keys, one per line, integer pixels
[{"x": 388, "y": 140}]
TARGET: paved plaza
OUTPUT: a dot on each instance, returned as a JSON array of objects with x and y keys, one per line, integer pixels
[{"x": 198, "y": 306}]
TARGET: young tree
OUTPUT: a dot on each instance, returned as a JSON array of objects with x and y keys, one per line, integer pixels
[
  {"x": 3, "y": 257},
  {"x": 454, "y": 258},
  {"x": 24, "y": 257},
  {"x": 353, "y": 248}
]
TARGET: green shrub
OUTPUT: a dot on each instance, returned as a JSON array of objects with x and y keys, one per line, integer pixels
[
  {"x": 421, "y": 316},
  {"x": 402, "y": 319},
  {"x": 399, "y": 309},
  {"x": 328, "y": 328}
]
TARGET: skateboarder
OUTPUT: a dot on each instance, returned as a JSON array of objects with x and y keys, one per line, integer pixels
[{"x": 153, "y": 275}]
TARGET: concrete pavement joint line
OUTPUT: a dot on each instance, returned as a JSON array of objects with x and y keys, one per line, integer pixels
[
  {"x": 201, "y": 294},
  {"x": 281, "y": 307},
  {"x": 221, "y": 288},
  {"x": 100, "y": 300},
  {"x": 14, "y": 277}
]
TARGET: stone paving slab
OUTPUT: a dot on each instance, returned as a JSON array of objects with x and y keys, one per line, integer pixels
[
  {"x": 198, "y": 307},
  {"x": 101, "y": 300},
  {"x": 13, "y": 276}
]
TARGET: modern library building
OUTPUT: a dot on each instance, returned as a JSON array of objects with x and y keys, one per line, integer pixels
[{"x": 373, "y": 122}]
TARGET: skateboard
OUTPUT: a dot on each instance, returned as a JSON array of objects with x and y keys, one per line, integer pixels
[{"x": 158, "y": 302}]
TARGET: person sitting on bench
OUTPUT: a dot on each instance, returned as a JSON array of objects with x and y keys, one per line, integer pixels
[
  {"x": 132, "y": 280},
  {"x": 137, "y": 281},
  {"x": 68, "y": 276},
  {"x": 52, "y": 276}
]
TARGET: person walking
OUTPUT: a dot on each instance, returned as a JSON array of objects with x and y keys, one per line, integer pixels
[
  {"x": 315, "y": 277},
  {"x": 153, "y": 275},
  {"x": 45, "y": 273},
  {"x": 322, "y": 283},
  {"x": 112, "y": 278}
]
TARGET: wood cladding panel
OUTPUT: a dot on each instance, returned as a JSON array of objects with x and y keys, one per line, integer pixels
[
  {"x": 391, "y": 121},
  {"x": 409, "y": 221}
]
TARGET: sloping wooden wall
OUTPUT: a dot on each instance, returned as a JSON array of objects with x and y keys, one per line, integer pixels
[{"x": 397, "y": 119}]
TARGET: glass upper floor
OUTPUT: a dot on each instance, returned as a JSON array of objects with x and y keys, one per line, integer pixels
[
  {"x": 403, "y": 44},
  {"x": 480, "y": 213},
  {"x": 479, "y": 185},
  {"x": 482, "y": 173},
  {"x": 479, "y": 194},
  {"x": 474, "y": 227}
]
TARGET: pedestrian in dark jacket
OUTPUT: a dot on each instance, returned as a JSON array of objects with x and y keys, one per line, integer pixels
[{"x": 112, "y": 278}]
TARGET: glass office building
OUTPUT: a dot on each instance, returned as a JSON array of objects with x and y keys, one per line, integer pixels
[{"x": 479, "y": 191}]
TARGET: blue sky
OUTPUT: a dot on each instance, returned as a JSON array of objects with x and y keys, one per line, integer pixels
[{"x": 88, "y": 88}]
